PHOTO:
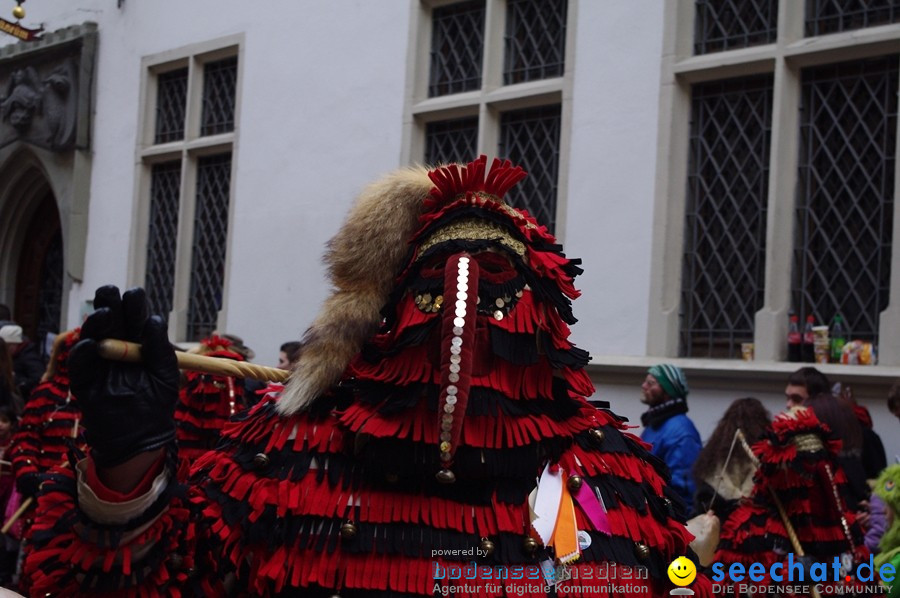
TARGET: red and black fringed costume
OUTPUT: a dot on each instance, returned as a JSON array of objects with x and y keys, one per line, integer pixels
[
  {"x": 799, "y": 489},
  {"x": 434, "y": 436},
  {"x": 48, "y": 432},
  {"x": 206, "y": 402},
  {"x": 50, "y": 425},
  {"x": 50, "y": 420}
]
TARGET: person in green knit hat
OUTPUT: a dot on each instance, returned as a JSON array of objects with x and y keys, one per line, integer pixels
[{"x": 669, "y": 430}]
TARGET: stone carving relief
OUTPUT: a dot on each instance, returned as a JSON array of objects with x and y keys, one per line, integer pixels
[
  {"x": 22, "y": 99},
  {"x": 39, "y": 105}
]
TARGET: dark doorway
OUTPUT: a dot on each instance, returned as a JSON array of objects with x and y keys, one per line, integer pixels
[{"x": 40, "y": 274}]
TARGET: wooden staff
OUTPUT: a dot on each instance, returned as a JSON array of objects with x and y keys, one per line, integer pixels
[
  {"x": 15, "y": 516},
  {"x": 117, "y": 350},
  {"x": 792, "y": 534}
]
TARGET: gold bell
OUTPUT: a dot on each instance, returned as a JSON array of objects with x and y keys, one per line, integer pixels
[
  {"x": 392, "y": 478},
  {"x": 260, "y": 460},
  {"x": 597, "y": 434},
  {"x": 348, "y": 530},
  {"x": 487, "y": 547},
  {"x": 575, "y": 483},
  {"x": 177, "y": 561},
  {"x": 530, "y": 545},
  {"x": 641, "y": 550},
  {"x": 445, "y": 476},
  {"x": 19, "y": 12}
]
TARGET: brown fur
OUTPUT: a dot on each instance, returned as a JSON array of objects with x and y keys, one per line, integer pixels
[{"x": 363, "y": 259}]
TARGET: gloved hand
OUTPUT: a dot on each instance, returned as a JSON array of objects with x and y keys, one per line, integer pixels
[
  {"x": 28, "y": 484},
  {"x": 127, "y": 408}
]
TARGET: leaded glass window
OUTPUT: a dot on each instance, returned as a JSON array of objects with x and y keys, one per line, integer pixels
[
  {"x": 845, "y": 207},
  {"x": 159, "y": 281},
  {"x": 725, "y": 227},
  {"x": 535, "y": 40},
  {"x": 832, "y": 16},
  {"x": 210, "y": 234},
  {"x": 451, "y": 140},
  {"x": 728, "y": 24},
  {"x": 171, "y": 101},
  {"x": 530, "y": 138},
  {"x": 50, "y": 294},
  {"x": 457, "y": 46},
  {"x": 219, "y": 84}
]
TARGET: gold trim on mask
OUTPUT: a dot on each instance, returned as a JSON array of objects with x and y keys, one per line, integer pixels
[
  {"x": 808, "y": 443},
  {"x": 473, "y": 229}
]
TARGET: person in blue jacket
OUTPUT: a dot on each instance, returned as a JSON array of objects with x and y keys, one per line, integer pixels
[{"x": 673, "y": 436}]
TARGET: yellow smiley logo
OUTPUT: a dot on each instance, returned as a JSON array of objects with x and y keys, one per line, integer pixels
[{"x": 682, "y": 571}]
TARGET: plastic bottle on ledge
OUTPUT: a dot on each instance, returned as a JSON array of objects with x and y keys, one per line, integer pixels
[
  {"x": 838, "y": 339},
  {"x": 808, "y": 350},
  {"x": 794, "y": 338}
]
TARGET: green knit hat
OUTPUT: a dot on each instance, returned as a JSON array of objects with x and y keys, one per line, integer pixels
[{"x": 671, "y": 378}]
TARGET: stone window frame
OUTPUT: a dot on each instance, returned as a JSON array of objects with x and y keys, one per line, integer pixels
[
  {"x": 188, "y": 151},
  {"x": 492, "y": 99},
  {"x": 784, "y": 60}
]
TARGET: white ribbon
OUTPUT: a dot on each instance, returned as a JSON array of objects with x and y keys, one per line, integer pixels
[{"x": 546, "y": 503}]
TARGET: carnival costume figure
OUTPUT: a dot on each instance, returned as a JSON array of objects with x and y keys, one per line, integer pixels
[
  {"x": 435, "y": 420},
  {"x": 206, "y": 401},
  {"x": 798, "y": 506}
]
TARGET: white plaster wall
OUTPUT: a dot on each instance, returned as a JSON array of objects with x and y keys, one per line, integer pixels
[{"x": 612, "y": 169}]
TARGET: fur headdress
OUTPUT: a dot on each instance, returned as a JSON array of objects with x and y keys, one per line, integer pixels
[{"x": 362, "y": 258}]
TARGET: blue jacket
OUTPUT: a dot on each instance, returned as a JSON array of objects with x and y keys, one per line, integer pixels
[{"x": 677, "y": 442}]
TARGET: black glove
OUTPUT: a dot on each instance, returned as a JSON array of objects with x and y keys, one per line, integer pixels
[
  {"x": 127, "y": 408},
  {"x": 28, "y": 484}
]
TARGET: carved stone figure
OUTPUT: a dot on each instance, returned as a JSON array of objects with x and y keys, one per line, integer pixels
[
  {"x": 22, "y": 100},
  {"x": 59, "y": 105}
]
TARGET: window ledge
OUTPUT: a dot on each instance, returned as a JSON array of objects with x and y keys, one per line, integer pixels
[{"x": 742, "y": 376}]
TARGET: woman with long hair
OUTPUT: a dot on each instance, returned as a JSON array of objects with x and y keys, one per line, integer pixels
[{"x": 718, "y": 488}]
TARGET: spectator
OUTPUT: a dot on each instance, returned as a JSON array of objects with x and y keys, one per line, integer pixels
[
  {"x": 878, "y": 523},
  {"x": 27, "y": 363},
  {"x": 874, "y": 459},
  {"x": 673, "y": 435},
  {"x": 804, "y": 383},
  {"x": 288, "y": 354},
  {"x": 721, "y": 486},
  {"x": 837, "y": 414},
  {"x": 894, "y": 399}
]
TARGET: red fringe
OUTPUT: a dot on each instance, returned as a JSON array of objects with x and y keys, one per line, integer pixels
[
  {"x": 69, "y": 550},
  {"x": 488, "y": 431}
]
